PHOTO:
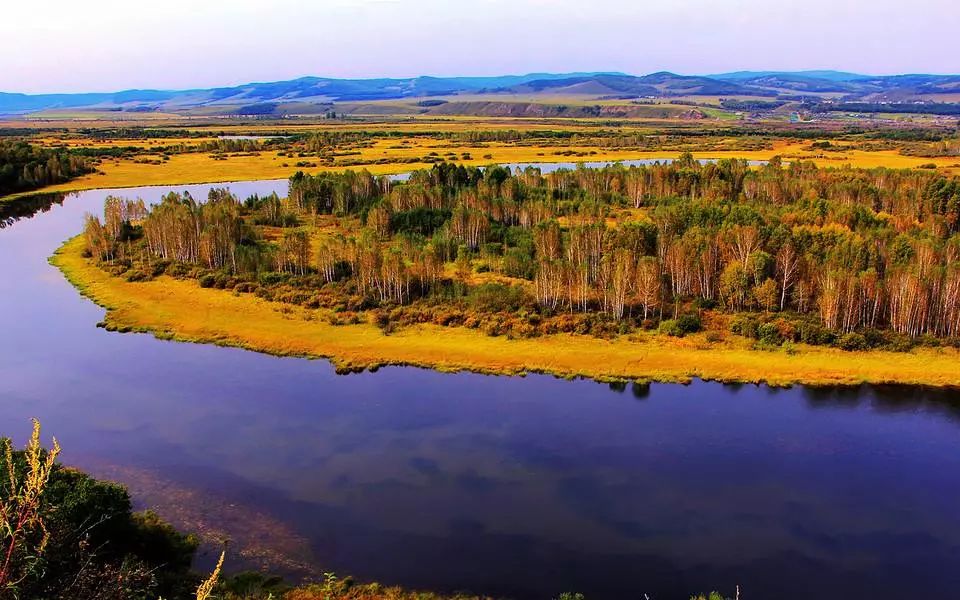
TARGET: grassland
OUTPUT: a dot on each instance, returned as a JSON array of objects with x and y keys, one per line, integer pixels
[
  {"x": 181, "y": 310},
  {"x": 393, "y": 158},
  {"x": 400, "y": 153}
]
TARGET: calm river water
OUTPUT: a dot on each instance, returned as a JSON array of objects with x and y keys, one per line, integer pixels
[{"x": 523, "y": 487}]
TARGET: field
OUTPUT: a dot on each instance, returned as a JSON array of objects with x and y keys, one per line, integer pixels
[
  {"x": 181, "y": 310},
  {"x": 398, "y": 155}
]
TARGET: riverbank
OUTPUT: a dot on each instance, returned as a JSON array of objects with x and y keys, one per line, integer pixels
[{"x": 181, "y": 310}]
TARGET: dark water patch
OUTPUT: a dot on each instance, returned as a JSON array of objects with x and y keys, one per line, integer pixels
[{"x": 24, "y": 207}]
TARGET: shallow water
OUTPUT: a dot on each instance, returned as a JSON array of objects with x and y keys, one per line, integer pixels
[{"x": 518, "y": 486}]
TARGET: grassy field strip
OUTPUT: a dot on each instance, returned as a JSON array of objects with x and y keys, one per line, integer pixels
[
  {"x": 201, "y": 168},
  {"x": 181, "y": 310}
]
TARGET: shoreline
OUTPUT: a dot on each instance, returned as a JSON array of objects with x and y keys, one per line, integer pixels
[{"x": 180, "y": 310}]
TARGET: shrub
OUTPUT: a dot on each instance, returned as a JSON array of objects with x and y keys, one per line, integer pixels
[
  {"x": 852, "y": 341},
  {"x": 208, "y": 281},
  {"x": 899, "y": 343},
  {"x": 670, "y": 327},
  {"x": 681, "y": 326},
  {"x": 875, "y": 338},
  {"x": 134, "y": 275},
  {"x": 497, "y": 297},
  {"x": 178, "y": 270},
  {"x": 704, "y": 303},
  {"x": 769, "y": 333},
  {"x": 84, "y": 541},
  {"x": 272, "y": 278},
  {"x": 159, "y": 268},
  {"x": 689, "y": 323},
  {"x": 245, "y": 287},
  {"x": 381, "y": 319},
  {"x": 744, "y": 325},
  {"x": 815, "y": 335}
]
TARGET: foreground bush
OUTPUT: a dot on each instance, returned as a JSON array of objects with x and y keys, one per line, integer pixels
[{"x": 67, "y": 535}]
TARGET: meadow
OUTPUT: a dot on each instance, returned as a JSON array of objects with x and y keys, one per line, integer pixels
[
  {"x": 391, "y": 157},
  {"x": 162, "y": 149}
]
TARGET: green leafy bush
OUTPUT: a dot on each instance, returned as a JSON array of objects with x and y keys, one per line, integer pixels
[
  {"x": 681, "y": 326},
  {"x": 852, "y": 341},
  {"x": 769, "y": 333},
  {"x": 746, "y": 326}
]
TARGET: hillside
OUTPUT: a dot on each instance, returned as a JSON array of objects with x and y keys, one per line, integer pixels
[{"x": 315, "y": 95}]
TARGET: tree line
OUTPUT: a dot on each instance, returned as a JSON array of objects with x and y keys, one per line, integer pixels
[
  {"x": 853, "y": 249},
  {"x": 25, "y": 167}
]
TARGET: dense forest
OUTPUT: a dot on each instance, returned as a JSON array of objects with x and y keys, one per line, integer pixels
[
  {"x": 795, "y": 253},
  {"x": 24, "y": 167}
]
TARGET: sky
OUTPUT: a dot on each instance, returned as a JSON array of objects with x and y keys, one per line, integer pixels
[{"x": 106, "y": 45}]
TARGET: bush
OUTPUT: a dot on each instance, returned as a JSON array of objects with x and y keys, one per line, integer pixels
[
  {"x": 689, "y": 323},
  {"x": 272, "y": 278},
  {"x": 98, "y": 547},
  {"x": 681, "y": 326},
  {"x": 208, "y": 281},
  {"x": 746, "y": 326},
  {"x": 159, "y": 268},
  {"x": 852, "y": 341},
  {"x": 497, "y": 297},
  {"x": 899, "y": 343},
  {"x": 704, "y": 303},
  {"x": 769, "y": 333},
  {"x": 671, "y": 328},
  {"x": 178, "y": 270},
  {"x": 875, "y": 338},
  {"x": 816, "y": 335},
  {"x": 134, "y": 275},
  {"x": 245, "y": 287}
]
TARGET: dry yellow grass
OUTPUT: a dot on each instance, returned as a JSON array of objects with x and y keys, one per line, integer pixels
[
  {"x": 77, "y": 141},
  {"x": 181, "y": 310},
  {"x": 202, "y": 168}
]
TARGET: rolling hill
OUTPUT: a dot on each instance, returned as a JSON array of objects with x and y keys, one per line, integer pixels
[{"x": 313, "y": 95}]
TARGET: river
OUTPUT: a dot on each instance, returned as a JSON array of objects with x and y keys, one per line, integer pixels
[{"x": 524, "y": 487}]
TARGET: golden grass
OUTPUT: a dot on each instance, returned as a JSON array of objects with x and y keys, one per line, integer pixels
[
  {"x": 202, "y": 168},
  {"x": 181, "y": 310},
  {"x": 77, "y": 141}
]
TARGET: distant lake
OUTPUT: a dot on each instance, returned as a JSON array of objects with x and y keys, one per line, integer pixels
[{"x": 522, "y": 487}]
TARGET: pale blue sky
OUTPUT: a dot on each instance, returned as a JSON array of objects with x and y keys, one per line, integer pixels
[{"x": 107, "y": 45}]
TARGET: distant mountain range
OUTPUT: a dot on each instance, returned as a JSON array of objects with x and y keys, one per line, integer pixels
[{"x": 314, "y": 94}]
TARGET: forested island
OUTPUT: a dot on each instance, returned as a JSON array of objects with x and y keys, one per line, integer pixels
[{"x": 783, "y": 257}]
